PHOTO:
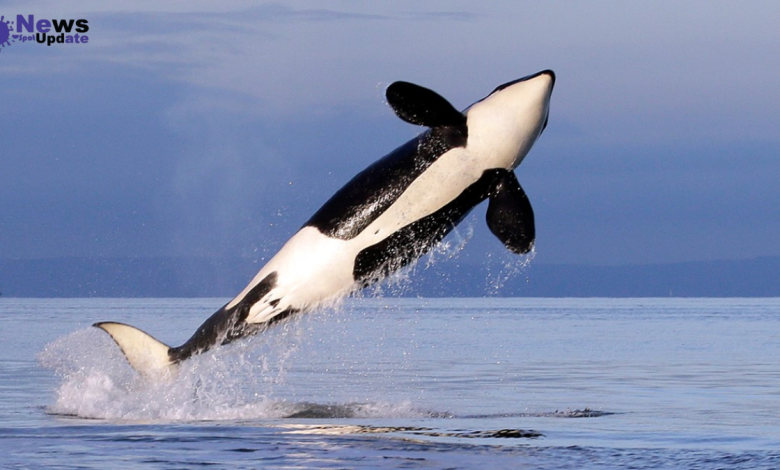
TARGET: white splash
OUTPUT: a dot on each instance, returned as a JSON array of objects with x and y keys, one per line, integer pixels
[
  {"x": 251, "y": 379},
  {"x": 510, "y": 266}
]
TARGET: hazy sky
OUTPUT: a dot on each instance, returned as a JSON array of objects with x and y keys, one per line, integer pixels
[{"x": 216, "y": 129}]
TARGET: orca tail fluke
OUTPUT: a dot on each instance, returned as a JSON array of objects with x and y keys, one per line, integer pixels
[{"x": 148, "y": 356}]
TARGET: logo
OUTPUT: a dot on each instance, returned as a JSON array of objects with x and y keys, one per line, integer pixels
[
  {"x": 5, "y": 33},
  {"x": 43, "y": 31}
]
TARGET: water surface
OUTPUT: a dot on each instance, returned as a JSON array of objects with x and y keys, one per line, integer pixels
[{"x": 401, "y": 383}]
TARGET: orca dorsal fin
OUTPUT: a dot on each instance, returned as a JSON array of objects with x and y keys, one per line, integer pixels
[
  {"x": 509, "y": 215},
  {"x": 422, "y": 107}
]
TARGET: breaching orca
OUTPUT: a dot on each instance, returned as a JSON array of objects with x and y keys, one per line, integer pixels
[{"x": 387, "y": 216}]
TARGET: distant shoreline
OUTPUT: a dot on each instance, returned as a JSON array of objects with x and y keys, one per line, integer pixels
[{"x": 222, "y": 278}]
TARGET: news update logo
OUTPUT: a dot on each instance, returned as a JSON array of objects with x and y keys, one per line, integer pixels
[{"x": 43, "y": 31}]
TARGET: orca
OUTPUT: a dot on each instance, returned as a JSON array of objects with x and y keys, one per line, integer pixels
[{"x": 387, "y": 216}]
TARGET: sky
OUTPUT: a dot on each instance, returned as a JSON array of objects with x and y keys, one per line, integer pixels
[{"x": 216, "y": 129}]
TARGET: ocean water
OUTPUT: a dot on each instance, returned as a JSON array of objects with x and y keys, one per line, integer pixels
[{"x": 401, "y": 383}]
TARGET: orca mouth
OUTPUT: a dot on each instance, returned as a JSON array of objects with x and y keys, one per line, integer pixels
[{"x": 547, "y": 72}]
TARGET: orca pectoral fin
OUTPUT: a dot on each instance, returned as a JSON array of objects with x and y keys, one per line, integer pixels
[
  {"x": 509, "y": 214},
  {"x": 148, "y": 356},
  {"x": 422, "y": 107}
]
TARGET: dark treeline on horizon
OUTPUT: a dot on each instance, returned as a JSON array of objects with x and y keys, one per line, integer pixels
[{"x": 205, "y": 277}]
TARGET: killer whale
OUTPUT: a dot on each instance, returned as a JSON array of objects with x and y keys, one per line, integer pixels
[{"x": 385, "y": 217}]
